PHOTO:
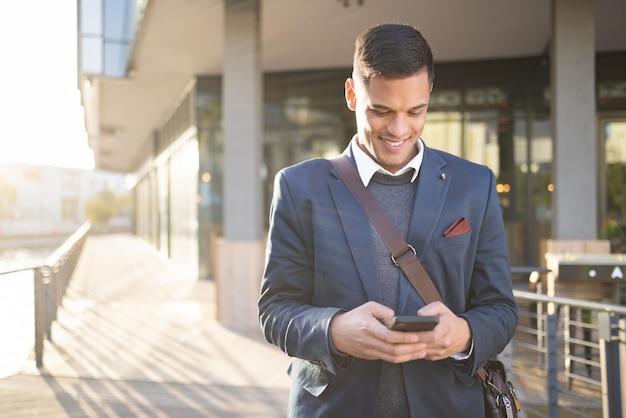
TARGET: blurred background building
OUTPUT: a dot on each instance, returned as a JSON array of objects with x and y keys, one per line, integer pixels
[
  {"x": 38, "y": 201},
  {"x": 201, "y": 102}
]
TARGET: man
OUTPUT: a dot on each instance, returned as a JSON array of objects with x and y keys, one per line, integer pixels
[{"x": 330, "y": 288}]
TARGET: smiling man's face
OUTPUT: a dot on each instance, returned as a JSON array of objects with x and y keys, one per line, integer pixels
[{"x": 390, "y": 116}]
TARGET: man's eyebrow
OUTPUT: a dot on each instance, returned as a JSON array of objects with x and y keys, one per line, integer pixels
[{"x": 383, "y": 107}]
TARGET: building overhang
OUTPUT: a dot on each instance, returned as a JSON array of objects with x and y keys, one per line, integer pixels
[{"x": 179, "y": 40}]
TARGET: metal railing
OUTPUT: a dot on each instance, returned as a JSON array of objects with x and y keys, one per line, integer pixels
[
  {"x": 50, "y": 283},
  {"x": 568, "y": 356}
]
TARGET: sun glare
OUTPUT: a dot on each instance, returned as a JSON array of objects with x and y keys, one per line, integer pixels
[{"x": 42, "y": 117}]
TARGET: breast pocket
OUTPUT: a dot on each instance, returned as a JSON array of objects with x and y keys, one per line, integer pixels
[
  {"x": 455, "y": 241},
  {"x": 451, "y": 261}
]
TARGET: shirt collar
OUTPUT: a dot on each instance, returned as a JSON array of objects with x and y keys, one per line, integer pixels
[{"x": 367, "y": 167}]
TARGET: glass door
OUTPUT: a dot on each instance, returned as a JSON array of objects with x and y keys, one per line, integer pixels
[
  {"x": 532, "y": 184},
  {"x": 613, "y": 182}
]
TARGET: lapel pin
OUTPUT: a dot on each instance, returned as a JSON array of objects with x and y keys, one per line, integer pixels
[{"x": 442, "y": 176}]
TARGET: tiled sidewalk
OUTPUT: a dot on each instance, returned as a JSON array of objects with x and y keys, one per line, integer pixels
[{"x": 137, "y": 337}]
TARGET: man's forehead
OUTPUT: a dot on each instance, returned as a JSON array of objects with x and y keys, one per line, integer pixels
[{"x": 397, "y": 86}]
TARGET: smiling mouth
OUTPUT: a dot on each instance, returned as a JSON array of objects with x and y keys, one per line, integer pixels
[{"x": 393, "y": 144}]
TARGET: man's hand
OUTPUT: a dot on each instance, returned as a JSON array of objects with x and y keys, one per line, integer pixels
[
  {"x": 363, "y": 333},
  {"x": 451, "y": 336},
  {"x": 360, "y": 333}
]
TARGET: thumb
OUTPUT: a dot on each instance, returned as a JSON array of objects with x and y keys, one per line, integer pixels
[
  {"x": 379, "y": 311},
  {"x": 433, "y": 309}
]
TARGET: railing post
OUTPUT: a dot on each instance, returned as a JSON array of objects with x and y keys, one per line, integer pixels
[
  {"x": 541, "y": 326},
  {"x": 622, "y": 361},
  {"x": 567, "y": 346},
  {"x": 50, "y": 289},
  {"x": 40, "y": 313},
  {"x": 552, "y": 366},
  {"x": 58, "y": 285},
  {"x": 610, "y": 366}
]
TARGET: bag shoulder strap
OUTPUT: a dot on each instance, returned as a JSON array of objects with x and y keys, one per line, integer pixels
[{"x": 402, "y": 254}]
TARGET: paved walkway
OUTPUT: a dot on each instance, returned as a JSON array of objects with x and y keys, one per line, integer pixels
[{"x": 136, "y": 337}]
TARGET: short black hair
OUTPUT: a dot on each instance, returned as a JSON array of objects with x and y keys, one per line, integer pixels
[{"x": 392, "y": 51}]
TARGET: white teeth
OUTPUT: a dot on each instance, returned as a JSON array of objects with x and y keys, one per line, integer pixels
[{"x": 393, "y": 144}]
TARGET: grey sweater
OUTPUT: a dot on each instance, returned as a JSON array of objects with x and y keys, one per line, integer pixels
[{"x": 396, "y": 195}]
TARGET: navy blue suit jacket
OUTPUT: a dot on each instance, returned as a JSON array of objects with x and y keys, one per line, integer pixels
[{"x": 320, "y": 261}]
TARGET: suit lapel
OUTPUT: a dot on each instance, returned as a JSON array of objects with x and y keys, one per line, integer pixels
[
  {"x": 432, "y": 188},
  {"x": 357, "y": 228}
]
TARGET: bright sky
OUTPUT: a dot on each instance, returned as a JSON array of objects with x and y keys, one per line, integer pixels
[{"x": 41, "y": 119}]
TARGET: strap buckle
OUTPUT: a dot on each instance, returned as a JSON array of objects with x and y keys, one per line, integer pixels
[{"x": 408, "y": 248}]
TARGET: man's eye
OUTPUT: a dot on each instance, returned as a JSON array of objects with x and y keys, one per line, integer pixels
[{"x": 380, "y": 112}]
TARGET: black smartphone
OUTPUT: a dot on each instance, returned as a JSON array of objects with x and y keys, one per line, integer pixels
[{"x": 413, "y": 323}]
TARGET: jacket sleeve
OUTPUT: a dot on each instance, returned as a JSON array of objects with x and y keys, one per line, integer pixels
[{"x": 287, "y": 317}]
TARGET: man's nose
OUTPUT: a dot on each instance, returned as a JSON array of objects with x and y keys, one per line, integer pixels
[{"x": 398, "y": 126}]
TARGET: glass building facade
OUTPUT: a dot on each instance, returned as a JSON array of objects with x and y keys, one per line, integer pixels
[
  {"x": 107, "y": 32},
  {"x": 495, "y": 113}
]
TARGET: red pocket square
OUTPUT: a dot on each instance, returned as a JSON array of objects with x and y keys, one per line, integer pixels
[{"x": 458, "y": 227}]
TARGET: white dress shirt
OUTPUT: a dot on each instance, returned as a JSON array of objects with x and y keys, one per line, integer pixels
[{"x": 366, "y": 166}]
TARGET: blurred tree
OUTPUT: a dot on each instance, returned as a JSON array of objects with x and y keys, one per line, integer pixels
[
  {"x": 8, "y": 197},
  {"x": 102, "y": 207}
]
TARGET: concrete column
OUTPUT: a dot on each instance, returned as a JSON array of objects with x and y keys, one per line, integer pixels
[
  {"x": 240, "y": 252},
  {"x": 243, "y": 129},
  {"x": 574, "y": 172}
]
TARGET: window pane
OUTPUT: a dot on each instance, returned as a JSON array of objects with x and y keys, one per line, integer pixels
[
  {"x": 615, "y": 155},
  {"x": 481, "y": 141},
  {"x": 91, "y": 17},
  {"x": 91, "y": 56},
  {"x": 116, "y": 20},
  {"x": 443, "y": 131},
  {"x": 115, "y": 59}
]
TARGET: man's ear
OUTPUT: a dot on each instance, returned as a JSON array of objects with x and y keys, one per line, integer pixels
[{"x": 350, "y": 94}]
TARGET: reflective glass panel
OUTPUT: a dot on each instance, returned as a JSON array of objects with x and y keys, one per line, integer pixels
[
  {"x": 116, "y": 59},
  {"x": 614, "y": 222},
  {"x": 91, "y": 17},
  {"x": 91, "y": 55}
]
